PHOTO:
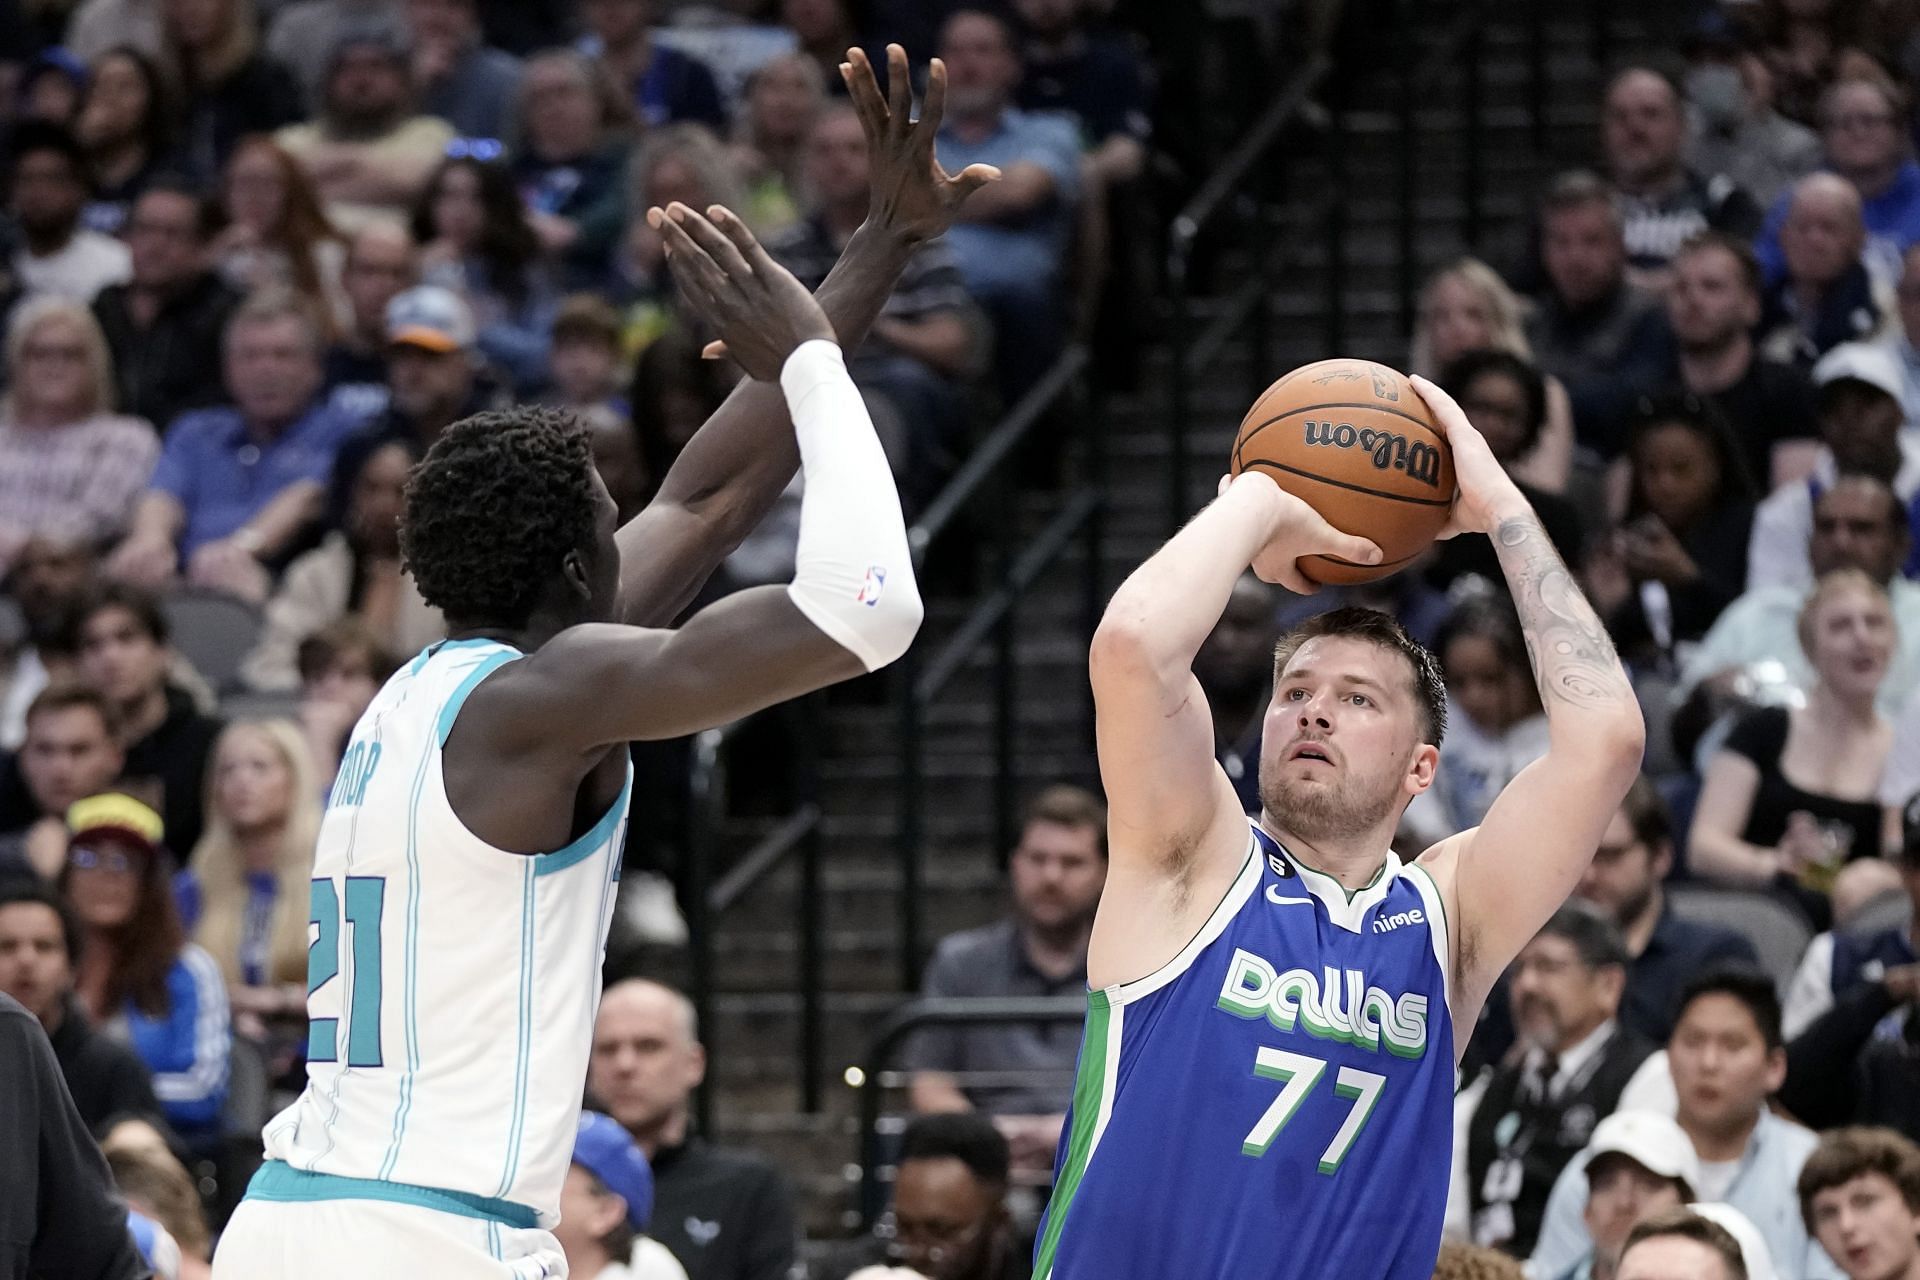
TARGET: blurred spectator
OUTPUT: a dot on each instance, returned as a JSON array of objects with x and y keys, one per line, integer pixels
[
  {"x": 229, "y": 87},
  {"x": 571, "y": 161},
  {"x": 1638, "y": 1164},
  {"x": 1466, "y": 307},
  {"x": 1863, "y": 130},
  {"x": 1714, "y": 306},
  {"x": 303, "y": 34},
  {"x": 585, "y": 369},
  {"x": 675, "y": 390},
  {"x": 1790, "y": 796},
  {"x": 72, "y": 751},
  {"x": 1843, "y": 966},
  {"x": 126, "y": 125},
  {"x": 922, "y": 344},
  {"x": 1507, "y": 399},
  {"x": 1737, "y": 130},
  {"x": 39, "y": 955},
  {"x": 59, "y": 1215},
  {"x": 157, "y": 1186},
  {"x": 479, "y": 243},
  {"x": 276, "y": 235},
  {"x": 1906, "y": 343},
  {"x": 1857, "y": 524},
  {"x": 460, "y": 78},
  {"x": 245, "y": 897},
  {"x": 50, "y": 575},
  {"x": 1663, "y": 204},
  {"x": 1592, "y": 329},
  {"x": 1459, "y": 1261},
  {"x": 950, "y": 1218},
  {"x": 1055, "y": 875},
  {"x": 1539, "y": 1109},
  {"x": 52, "y": 86},
  {"x": 237, "y": 487},
  {"x": 57, "y": 256},
  {"x": 1727, "y": 1058},
  {"x": 1807, "y": 44},
  {"x": 1824, "y": 295},
  {"x": 1861, "y": 427},
  {"x": 355, "y": 572},
  {"x": 124, "y": 654},
  {"x": 1860, "y": 1197},
  {"x": 95, "y": 26},
  {"x": 617, "y": 457},
  {"x": 1626, "y": 880},
  {"x": 783, "y": 99},
  {"x": 342, "y": 666},
  {"x": 369, "y": 151},
  {"x": 1686, "y": 1244},
  {"x": 1235, "y": 669},
  {"x": 826, "y": 29},
  {"x": 1092, "y": 73},
  {"x": 666, "y": 85},
  {"x": 725, "y": 1214},
  {"x": 164, "y": 325},
  {"x": 70, "y": 468},
  {"x": 381, "y": 264},
  {"x": 136, "y": 965},
  {"x": 1012, "y": 237},
  {"x": 1682, "y": 549},
  {"x": 605, "y": 1205},
  {"x": 1495, "y": 723}
]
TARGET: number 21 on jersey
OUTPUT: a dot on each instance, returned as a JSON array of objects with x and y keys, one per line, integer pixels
[{"x": 359, "y": 927}]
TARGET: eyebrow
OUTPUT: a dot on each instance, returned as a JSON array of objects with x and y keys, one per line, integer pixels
[{"x": 1302, "y": 673}]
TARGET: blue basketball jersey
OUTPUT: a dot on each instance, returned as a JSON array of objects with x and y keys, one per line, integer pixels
[{"x": 1276, "y": 1102}]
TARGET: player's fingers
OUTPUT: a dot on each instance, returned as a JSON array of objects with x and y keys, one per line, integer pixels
[
  {"x": 1329, "y": 541},
  {"x": 857, "y": 72},
  {"x": 933, "y": 105},
  {"x": 899, "y": 89},
  {"x": 974, "y": 177},
  {"x": 676, "y": 232},
  {"x": 1220, "y": 490},
  {"x": 1290, "y": 577},
  {"x": 719, "y": 247},
  {"x": 1447, "y": 413},
  {"x": 741, "y": 237},
  {"x": 715, "y": 350}
]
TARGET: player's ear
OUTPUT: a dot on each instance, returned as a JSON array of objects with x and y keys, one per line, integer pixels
[
  {"x": 1426, "y": 758},
  {"x": 574, "y": 567}
]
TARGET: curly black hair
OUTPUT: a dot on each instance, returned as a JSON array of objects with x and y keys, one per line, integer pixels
[{"x": 498, "y": 502}]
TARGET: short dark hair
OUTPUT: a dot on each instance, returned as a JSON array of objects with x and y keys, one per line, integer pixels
[
  {"x": 1696, "y": 414},
  {"x": 1896, "y": 510},
  {"x": 39, "y": 893},
  {"x": 349, "y": 634},
  {"x": 1578, "y": 189},
  {"x": 1751, "y": 275},
  {"x": 499, "y": 501},
  {"x": 1748, "y": 986},
  {"x": 1491, "y": 617},
  {"x": 1688, "y": 1225},
  {"x": 71, "y": 695},
  {"x": 1846, "y": 1154},
  {"x": 1647, "y": 813},
  {"x": 33, "y": 136},
  {"x": 1467, "y": 368},
  {"x": 207, "y": 218},
  {"x": 143, "y": 604},
  {"x": 586, "y": 317},
  {"x": 1595, "y": 938},
  {"x": 1384, "y": 630},
  {"x": 966, "y": 1136},
  {"x": 1065, "y": 805}
]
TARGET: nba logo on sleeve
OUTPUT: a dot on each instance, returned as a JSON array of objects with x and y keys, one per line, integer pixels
[{"x": 870, "y": 589}]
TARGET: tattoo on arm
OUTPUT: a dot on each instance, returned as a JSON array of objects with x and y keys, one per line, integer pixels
[{"x": 1573, "y": 659}]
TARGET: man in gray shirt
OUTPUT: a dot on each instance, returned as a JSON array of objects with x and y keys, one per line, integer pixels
[{"x": 1025, "y": 1070}]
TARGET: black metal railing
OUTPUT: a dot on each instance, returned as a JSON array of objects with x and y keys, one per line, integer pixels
[
  {"x": 919, "y": 682},
  {"x": 874, "y": 1075}
]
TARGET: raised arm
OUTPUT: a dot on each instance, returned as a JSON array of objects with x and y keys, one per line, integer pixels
[
  {"x": 1176, "y": 833},
  {"x": 1506, "y": 876},
  {"x": 727, "y": 477}
]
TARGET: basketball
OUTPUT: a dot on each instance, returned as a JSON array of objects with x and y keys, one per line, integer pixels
[{"x": 1355, "y": 441}]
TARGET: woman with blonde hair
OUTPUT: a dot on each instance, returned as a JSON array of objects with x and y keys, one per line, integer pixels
[
  {"x": 1791, "y": 795},
  {"x": 783, "y": 98},
  {"x": 277, "y": 234},
  {"x": 70, "y": 467},
  {"x": 229, "y": 87},
  {"x": 1466, "y": 306},
  {"x": 245, "y": 894}
]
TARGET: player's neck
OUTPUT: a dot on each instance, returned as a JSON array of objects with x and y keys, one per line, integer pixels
[{"x": 1353, "y": 861}]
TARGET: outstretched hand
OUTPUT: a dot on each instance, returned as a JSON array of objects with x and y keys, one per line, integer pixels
[
  {"x": 760, "y": 311},
  {"x": 1486, "y": 493},
  {"x": 910, "y": 193}
]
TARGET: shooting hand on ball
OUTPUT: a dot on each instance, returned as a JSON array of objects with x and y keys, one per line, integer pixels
[
  {"x": 1486, "y": 493},
  {"x": 1294, "y": 530}
]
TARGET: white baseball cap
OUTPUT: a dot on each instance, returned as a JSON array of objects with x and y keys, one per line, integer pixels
[
  {"x": 1753, "y": 1247},
  {"x": 1868, "y": 362},
  {"x": 1649, "y": 1139},
  {"x": 431, "y": 317}
]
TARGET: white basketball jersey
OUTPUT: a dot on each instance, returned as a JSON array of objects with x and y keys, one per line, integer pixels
[{"x": 451, "y": 985}]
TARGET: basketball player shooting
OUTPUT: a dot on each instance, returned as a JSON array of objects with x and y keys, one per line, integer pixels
[
  {"x": 466, "y": 868},
  {"x": 1266, "y": 1082}
]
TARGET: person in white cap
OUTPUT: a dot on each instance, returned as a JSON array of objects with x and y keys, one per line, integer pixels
[
  {"x": 1639, "y": 1164},
  {"x": 1860, "y": 388}
]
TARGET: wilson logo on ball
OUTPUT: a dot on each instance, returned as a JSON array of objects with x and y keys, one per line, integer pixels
[{"x": 1390, "y": 450}]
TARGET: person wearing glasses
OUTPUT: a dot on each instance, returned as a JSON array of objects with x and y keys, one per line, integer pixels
[{"x": 138, "y": 975}]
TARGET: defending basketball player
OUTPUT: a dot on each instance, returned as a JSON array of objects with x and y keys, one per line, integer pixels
[
  {"x": 466, "y": 868},
  {"x": 1266, "y": 1080}
]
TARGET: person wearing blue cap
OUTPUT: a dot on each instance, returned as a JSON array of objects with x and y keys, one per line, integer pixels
[{"x": 605, "y": 1204}]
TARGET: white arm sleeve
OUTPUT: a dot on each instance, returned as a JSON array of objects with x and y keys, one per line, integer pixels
[{"x": 853, "y": 575}]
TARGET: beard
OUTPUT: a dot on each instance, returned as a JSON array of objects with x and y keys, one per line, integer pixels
[{"x": 1317, "y": 811}]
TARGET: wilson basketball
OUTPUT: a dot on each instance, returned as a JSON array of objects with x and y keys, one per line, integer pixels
[{"x": 1354, "y": 440}]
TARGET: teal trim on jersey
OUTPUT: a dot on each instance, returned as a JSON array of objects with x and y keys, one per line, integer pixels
[
  {"x": 280, "y": 1182},
  {"x": 481, "y": 670},
  {"x": 523, "y": 1046},
  {"x": 409, "y": 1004},
  {"x": 1089, "y": 1090},
  {"x": 546, "y": 864}
]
